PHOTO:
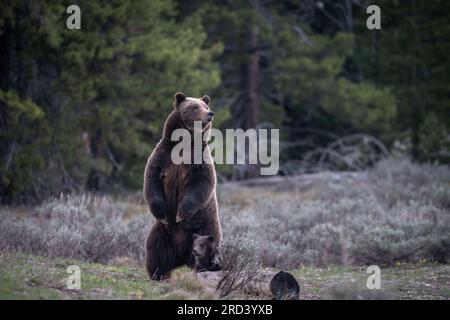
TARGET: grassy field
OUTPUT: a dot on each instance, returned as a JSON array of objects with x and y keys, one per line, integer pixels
[
  {"x": 33, "y": 277},
  {"x": 322, "y": 227}
]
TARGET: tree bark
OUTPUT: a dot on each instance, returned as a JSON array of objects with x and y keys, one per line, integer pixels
[{"x": 253, "y": 80}]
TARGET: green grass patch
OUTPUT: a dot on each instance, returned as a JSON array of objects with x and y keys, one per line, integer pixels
[{"x": 33, "y": 277}]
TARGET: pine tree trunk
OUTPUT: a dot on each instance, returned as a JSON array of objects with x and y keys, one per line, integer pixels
[
  {"x": 254, "y": 99},
  {"x": 5, "y": 40},
  {"x": 253, "y": 80}
]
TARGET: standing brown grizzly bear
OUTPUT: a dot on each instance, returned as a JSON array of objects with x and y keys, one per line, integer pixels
[{"x": 182, "y": 197}]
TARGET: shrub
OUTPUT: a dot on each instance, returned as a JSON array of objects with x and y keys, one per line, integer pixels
[
  {"x": 240, "y": 266},
  {"x": 83, "y": 227},
  {"x": 395, "y": 212}
]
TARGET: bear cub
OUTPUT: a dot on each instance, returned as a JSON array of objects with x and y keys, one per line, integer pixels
[
  {"x": 205, "y": 252},
  {"x": 284, "y": 287}
]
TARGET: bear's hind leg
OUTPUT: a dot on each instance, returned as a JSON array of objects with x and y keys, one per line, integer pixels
[{"x": 160, "y": 257}]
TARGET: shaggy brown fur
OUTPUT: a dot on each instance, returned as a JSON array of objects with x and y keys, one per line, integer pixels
[{"x": 181, "y": 197}]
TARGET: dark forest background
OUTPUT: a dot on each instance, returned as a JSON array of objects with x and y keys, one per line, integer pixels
[{"x": 82, "y": 109}]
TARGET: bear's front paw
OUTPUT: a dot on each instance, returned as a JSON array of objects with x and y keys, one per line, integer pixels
[
  {"x": 158, "y": 209},
  {"x": 185, "y": 210},
  {"x": 182, "y": 216}
]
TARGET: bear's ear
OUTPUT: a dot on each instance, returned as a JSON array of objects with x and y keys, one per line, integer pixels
[
  {"x": 179, "y": 98},
  {"x": 206, "y": 99},
  {"x": 211, "y": 238},
  {"x": 195, "y": 236}
]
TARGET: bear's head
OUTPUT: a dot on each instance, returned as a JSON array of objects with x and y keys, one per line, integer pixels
[
  {"x": 204, "y": 246},
  {"x": 193, "y": 109}
]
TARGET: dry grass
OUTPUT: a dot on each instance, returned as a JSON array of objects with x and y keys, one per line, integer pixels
[{"x": 395, "y": 212}]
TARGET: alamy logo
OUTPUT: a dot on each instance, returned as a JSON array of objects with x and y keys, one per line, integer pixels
[
  {"x": 73, "y": 22},
  {"x": 374, "y": 280},
  {"x": 374, "y": 21},
  {"x": 237, "y": 147},
  {"x": 74, "y": 280}
]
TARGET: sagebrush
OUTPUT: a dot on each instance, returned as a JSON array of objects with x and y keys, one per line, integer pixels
[
  {"x": 398, "y": 211},
  {"x": 82, "y": 227}
]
